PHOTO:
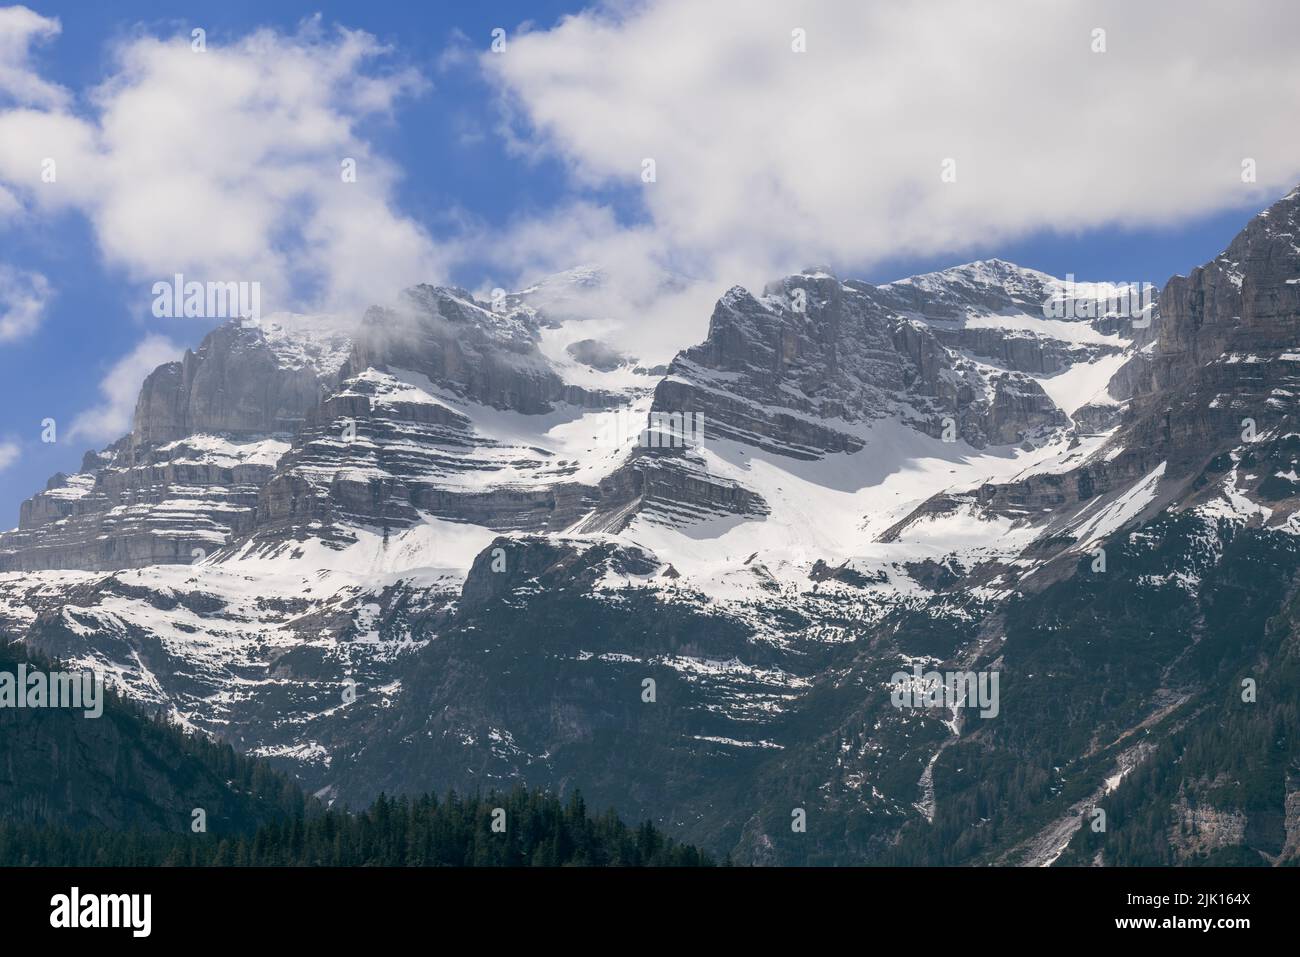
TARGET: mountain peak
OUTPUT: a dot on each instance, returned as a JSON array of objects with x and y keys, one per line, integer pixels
[{"x": 981, "y": 272}]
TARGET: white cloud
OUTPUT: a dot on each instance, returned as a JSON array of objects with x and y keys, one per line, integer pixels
[
  {"x": 23, "y": 298},
  {"x": 9, "y": 205},
  {"x": 9, "y": 454},
  {"x": 769, "y": 160},
  {"x": 120, "y": 387},
  {"x": 225, "y": 166},
  {"x": 20, "y": 29},
  {"x": 653, "y": 304}
]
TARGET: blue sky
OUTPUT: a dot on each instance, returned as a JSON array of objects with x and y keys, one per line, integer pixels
[{"x": 451, "y": 168}]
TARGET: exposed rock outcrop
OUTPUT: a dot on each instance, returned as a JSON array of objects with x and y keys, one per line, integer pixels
[{"x": 206, "y": 435}]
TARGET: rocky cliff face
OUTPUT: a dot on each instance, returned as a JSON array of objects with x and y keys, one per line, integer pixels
[
  {"x": 384, "y": 451},
  {"x": 240, "y": 382},
  {"x": 805, "y": 369},
  {"x": 206, "y": 435},
  {"x": 782, "y": 371},
  {"x": 489, "y": 358},
  {"x": 1210, "y": 401},
  {"x": 444, "y": 411},
  {"x": 402, "y": 415}
]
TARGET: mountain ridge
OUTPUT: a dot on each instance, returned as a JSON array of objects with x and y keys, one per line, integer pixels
[{"x": 493, "y": 558}]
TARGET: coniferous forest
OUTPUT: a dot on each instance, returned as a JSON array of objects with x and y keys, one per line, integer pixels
[
  {"x": 122, "y": 790},
  {"x": 536, "y": 830}
]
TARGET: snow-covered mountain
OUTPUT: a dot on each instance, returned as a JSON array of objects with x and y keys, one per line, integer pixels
[{"x": 432, "y": 547}]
